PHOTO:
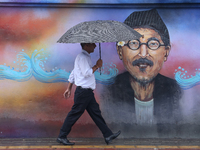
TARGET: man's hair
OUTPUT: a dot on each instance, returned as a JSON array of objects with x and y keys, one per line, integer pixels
[
  {"x": 83, "y": 44},
  {"x": 149, "y": 19}
]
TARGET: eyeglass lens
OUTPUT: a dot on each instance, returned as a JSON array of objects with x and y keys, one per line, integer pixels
[{"x": 152, "y": 44}]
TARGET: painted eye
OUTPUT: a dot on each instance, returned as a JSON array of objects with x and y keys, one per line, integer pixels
[
  {"x": 153, "y": 44},
  {"x": 134, "y": 44}
]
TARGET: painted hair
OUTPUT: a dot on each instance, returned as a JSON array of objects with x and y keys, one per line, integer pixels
[{"x": 149, "y": 19}]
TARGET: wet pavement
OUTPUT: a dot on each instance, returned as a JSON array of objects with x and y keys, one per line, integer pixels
[{"x": 99, "y": 144}]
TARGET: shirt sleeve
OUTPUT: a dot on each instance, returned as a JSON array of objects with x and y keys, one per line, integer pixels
[
  {"x": 85, "y": 68},
  {"x": 71, "y": 77}
]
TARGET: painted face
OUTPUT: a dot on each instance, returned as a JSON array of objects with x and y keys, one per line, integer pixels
[{"x": 143, "y": 63}]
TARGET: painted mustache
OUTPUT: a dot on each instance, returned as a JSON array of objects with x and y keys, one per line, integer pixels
[{"x": 142, "y": 61}]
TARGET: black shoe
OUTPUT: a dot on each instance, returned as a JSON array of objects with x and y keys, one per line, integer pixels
[
  {"x": 112, "y": 137},
  {"x": 64, "y": 141}
]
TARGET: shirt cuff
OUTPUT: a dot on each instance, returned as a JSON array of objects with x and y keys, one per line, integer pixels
[{"x": 70, "y": 80}]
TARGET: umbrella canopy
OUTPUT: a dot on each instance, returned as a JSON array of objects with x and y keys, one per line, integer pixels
[{"x": 99, "y": 31}]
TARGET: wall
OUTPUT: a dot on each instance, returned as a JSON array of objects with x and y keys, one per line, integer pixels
[{"x": 34, "y": 69}]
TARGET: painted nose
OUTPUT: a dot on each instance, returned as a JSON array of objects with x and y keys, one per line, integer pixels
[{"x": 143, "y": 51}]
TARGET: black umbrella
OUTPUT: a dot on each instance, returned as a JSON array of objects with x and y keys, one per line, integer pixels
[{"x": 99, "y": 31}]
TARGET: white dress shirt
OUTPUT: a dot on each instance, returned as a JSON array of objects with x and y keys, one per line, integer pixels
[{"x": 82, "y": 74}]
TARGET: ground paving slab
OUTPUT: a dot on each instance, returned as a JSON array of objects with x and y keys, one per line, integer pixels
[{"x": 99, "y": 144}]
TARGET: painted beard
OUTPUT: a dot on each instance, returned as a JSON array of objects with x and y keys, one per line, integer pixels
[
  {"x": 143, "y": 82},
  {"x": 142, "y": 63}
]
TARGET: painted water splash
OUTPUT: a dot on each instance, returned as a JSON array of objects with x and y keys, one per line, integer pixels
[
  {"x": 187, "y": 81},
  {"x": 108, "y": 73},
  {"x": 7, "y": 72},
  {"x": 55, "y": 75},
  {"x": 35, "y": 66}
]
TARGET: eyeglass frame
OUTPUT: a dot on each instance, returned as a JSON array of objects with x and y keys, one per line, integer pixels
[{"x": 127, "y": 44}]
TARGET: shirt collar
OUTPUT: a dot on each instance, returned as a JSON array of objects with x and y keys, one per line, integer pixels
[
  {"x": 85, "y": 52},
  {"x": 144, "y": 102}
]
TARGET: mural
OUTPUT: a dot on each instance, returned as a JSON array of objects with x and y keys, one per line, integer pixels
[{"x": 34, "y": 70}]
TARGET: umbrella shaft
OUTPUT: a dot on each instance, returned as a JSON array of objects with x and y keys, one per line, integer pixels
[
  {"x": 100, "y": 55},
  {"x": 100, "y": 50}
]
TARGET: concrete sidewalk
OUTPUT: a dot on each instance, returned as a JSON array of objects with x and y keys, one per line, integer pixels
[{"x": 99, "y": 144}]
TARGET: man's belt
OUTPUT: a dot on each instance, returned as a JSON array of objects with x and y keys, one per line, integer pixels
[{"x": 84, "y": 88}]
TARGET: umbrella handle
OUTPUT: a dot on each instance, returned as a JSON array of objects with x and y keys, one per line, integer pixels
[{"x": 100, "y": 55}]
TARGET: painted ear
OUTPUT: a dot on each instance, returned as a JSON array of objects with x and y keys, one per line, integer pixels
[
  {"x": 167, "y": 49},
  {"x": 119, "y": 51}
]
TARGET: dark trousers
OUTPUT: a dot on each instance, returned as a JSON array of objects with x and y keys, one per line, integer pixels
[{"x": 84, "y": 99}]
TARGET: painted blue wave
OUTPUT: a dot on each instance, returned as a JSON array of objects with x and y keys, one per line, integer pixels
[
  {"x": 37, "y": 60},
  {"x": 107, "y": 75},
  {"x": 187, "y": 82},
  {"x": 6, "y": 72},
  {"x": 34, "y": 66}
]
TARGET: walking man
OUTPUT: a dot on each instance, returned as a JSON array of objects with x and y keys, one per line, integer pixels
[{"x": 83, "y": 77}]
